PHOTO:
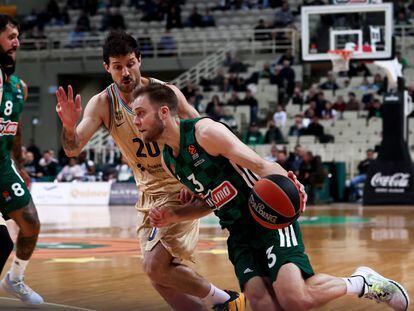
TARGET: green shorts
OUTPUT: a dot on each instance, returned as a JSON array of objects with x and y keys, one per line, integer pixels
[
  {"x": 14, "y": 194},
  {"x": 256, "y": 251}
]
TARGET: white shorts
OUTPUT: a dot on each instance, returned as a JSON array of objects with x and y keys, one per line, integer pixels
[{"x": 179, "y": 239}]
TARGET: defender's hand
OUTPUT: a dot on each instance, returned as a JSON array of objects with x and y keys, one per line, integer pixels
[
  {"x": 301, "y": 188},
  {"x": 161, "y": 216},
  {"x": 186, "y": 196},
  {"x": 69, "y": 110}
]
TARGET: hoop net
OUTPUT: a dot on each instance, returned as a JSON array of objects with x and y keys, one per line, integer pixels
[{"x": 340, "y": 59}]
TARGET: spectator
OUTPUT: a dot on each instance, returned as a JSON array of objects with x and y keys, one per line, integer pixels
[
  {"x": 288, "y": 55},
  {"x": 72, "y": 171},
  {"x": 87, "y": 166},
  {"x": 311, "y": 174},
  {"x": 374, "y": 110},
  {"x": 124, "y": 173},
  {"x": 154, "y": 11},
  {"x": 297, "y": 97},
  {"x": 403, "y": 61},
  {"x": 280, "y": 117},
  {"x": 378, "y": 83},
  {"x": 75, "y": 38},
  {"x": 273, "y": 134},
  {"x": 261, "y": 32},
  {"x": 174, "y": 17},
  {"x": 195, "y": 19},
  {"x": 240, "y": 85},
  {"x": 106, "y": 19},
  {"x": 340, "y": 106},
  {"x": 329, "y": 113},
  {"x": 34, "y": 149},
  {"x": 311, "y": 111},
  {"x": 234, "y": 100},
  {"x": 227, "y": 118},
  {"x": 315, "y": 128},
  {"x": 31, "y": 166},
  {"x": 297, "y": 129},
  {"x": 287, "y": 76},
  {"x": 218, "y": 79},
  {"x": 48, "y": 166},
  {"x": 296, "y": 158},
  {"x": 360, "y": 70},
  {"x": 362, "y": 175},
  {"x": 320, "y": 104},
  {"x": 282, "y": 160},
  {"x": 253, "y": 135},
  {"x": 330, "y": 83},
  {"x": 237, "y": 66},
  {"x": 251, "y": 101},
  {"x": 83, "y": 23},
  {"x": 353, "y": 104},
  {"x": 189, "y": 90},
  {"x": 272, "y": 157},
  {"x": 208, "y": 19},
  {"x": 117, "y": 21},
  {"x": 284, "y": 17},
  {"x": 167, "y": 44},
  {"x": 215, "y": 101}
]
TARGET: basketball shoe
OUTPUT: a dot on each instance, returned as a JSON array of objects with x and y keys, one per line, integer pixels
[
  {"x": 236, "y": 302},
  {"x": 381, "y": 289},
  {"x": 20, "y": 290}
]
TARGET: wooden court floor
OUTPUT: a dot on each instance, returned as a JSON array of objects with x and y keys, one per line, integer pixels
[{"x": 88, "y": 257}]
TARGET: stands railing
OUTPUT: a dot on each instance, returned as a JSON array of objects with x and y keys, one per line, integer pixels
[{"x": 189, "y": 43}]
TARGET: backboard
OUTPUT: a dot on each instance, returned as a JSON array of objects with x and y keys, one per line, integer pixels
[{"x": 364, "y": 28}]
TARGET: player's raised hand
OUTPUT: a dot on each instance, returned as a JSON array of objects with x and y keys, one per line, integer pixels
[
  {"x": 69, "y": 110},
  {"x": 186, "y": 196},
  {"x": 301, "y": 188},
  {"x": 161, "y": 216}
]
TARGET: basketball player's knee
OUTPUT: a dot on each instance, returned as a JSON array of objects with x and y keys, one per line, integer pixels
[
  {"x": 294, "y": 301},
  {"x": 154, "y": 270},
  {"x": 259, "y": 299}
]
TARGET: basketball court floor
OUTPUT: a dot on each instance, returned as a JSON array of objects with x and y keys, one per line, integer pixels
[{"x": 88, "y": 256}]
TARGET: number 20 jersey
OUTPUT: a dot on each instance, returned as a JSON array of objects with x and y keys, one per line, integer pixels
[{"x": 143, "y": 158}]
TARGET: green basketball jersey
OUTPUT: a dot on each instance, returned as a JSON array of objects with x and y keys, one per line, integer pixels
[
  {"x": 11, "y": 107},
  {"x": 224, "y": 185}
]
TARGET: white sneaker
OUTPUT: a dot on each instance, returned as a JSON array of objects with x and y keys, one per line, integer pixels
[
  {"x": 381, "y": 289},
  {"x": 20, "y": 290}
]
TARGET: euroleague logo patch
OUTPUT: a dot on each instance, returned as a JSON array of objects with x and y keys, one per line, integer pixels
[
  {"x": 8, "y": 127},
  {"x": 192, "y": 150},
  {"x": 6, "y": 196},
  {"x": 221, "y": 195}
]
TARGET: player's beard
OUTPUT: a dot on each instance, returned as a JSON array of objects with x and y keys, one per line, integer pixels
[
  {"x": 127, "y": 88},
  {"x": 7, "y": 63},
  {"x": 156, "y": 130}
]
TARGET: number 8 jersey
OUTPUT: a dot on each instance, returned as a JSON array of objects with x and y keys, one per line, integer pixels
[
  {"x": 10, "y": 109},
  {"x": 143, "y": 158}
]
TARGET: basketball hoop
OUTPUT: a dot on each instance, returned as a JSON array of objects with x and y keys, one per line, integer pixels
[{"x": 340, "y": 59}]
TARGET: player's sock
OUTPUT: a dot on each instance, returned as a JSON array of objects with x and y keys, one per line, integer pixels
[
  {"x": 6, "y": 246},
  {"x": 216, "y": 296},
  {"x": 17, "y": 268},
  {"x": 354, "y": 285}
]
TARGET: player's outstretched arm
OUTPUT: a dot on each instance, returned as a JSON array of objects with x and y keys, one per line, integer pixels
[
  {"x": 74, "y": 138},
  {"x": 185, "y": 110},
  {"x": 217, "y": 139}
]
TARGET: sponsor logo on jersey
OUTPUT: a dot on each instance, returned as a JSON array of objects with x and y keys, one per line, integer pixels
[
  {"x": 8, "y": 127},
  {"x": 118, "y": 115},
  {"x": 220, "y": 195}
]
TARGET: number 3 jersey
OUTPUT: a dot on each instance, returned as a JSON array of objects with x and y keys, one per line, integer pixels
[
  {"x": 224, "y": 185},
  {"x": 11, "y": 107},
  {"x": 143, "y": 158}
]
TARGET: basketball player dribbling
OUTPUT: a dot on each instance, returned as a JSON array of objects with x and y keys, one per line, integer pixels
[
  {"x": 15, "y": 200},
  {"x": 162, "y": 248},
  {"x": 271, "y": 265}
]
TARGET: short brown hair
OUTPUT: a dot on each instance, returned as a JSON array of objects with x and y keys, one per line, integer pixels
[{"x": 158, "y": 94}]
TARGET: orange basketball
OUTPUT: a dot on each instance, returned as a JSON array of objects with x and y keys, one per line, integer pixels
[{"x": 274, "y": 202}]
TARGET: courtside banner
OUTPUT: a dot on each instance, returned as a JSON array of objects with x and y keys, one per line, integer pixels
[
  {"x": 123, "y": 194},
  {"x": 86, "y": 193}
]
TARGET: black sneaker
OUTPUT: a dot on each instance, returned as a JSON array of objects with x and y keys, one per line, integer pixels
[{"x": 237, "y": 302}]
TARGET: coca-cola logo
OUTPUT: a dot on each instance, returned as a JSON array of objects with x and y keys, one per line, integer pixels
[{"x": 397, "y": 180}]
